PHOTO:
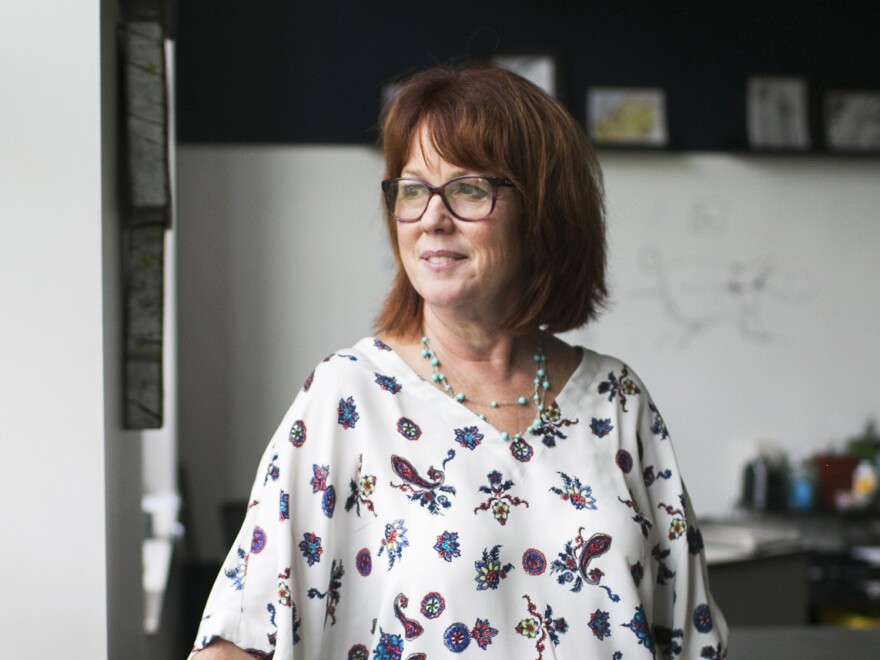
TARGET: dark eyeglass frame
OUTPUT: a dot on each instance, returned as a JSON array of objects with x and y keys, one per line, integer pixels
[{"x": 495, "y": 181}]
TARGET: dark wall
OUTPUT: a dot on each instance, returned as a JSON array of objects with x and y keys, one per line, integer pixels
[{"x": 311, "y": 71}]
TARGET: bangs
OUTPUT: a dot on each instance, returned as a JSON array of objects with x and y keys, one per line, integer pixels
[
  {"x": 464, "y": 122},
  {"x": 462, "y": 140}
]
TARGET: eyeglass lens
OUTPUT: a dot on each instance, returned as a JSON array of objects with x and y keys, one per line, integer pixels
[{"x": 469, "y": 198}]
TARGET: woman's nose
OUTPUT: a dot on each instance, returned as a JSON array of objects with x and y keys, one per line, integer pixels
[{"x": 436, "y": 216}]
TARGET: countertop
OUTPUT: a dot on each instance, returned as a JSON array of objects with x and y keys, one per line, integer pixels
[{"x": 743, "y": 540}]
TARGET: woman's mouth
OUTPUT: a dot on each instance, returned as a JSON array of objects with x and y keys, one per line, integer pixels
[{"x": 441, "y": 258}]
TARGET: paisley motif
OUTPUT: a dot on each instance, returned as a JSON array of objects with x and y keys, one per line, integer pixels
[
  {"x": 596, "y": 546},
  {"x": 411, "y": 627}
]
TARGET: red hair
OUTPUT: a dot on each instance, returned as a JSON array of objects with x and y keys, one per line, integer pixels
[{"x": 489, "y": 120}]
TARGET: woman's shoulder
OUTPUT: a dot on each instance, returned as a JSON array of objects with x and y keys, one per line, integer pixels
[
  {"x": 344, "y": 381},
  {"x": 367, "y": 358},
  {"x": 605, "y": 374},
  {"x": 610, "y": 366},
  {"x": 575, "y": 357}
]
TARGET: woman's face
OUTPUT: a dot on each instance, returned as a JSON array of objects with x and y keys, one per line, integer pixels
[{"x": 465, "y": 268}]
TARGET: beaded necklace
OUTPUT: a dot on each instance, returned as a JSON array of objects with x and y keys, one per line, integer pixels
[{"x": 540, "y": 381}]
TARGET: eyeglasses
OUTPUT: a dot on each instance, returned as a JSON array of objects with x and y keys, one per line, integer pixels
[{"x": 467, "y": 198}]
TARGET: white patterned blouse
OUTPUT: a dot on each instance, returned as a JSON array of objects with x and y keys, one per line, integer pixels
[{"x": 388, "y": 521}]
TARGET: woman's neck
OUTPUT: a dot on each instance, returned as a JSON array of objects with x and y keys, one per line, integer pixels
[
  {"x": 486, "y": 363},
  {"x": 481, "y": 346}
]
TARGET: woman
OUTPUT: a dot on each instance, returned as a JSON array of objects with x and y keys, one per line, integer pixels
[{"x": 466, "y": 479}]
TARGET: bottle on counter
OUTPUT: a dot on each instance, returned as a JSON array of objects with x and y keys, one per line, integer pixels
[
  {"x": 801, "y": 486},
  {"x": 864, "y": 483},
  {"x": 764, "y": 486}
]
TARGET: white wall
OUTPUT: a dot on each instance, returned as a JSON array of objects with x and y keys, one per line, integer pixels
[
  {"x": 278, "y": 268},
  {"x": 69, "y": 477}
]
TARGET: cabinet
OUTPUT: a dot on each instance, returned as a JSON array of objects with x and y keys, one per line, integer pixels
[
  {"x": 763, "y": 590},
  {"x": 812, "y": 568}
]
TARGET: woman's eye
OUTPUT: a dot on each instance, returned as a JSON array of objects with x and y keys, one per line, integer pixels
[
  {"x": 411, "y": 191},
  {"x": 470, "y": 190}
]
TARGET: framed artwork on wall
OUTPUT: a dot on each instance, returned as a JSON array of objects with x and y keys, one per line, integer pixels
[
  {"x": 627, "y": 116},
  {"x": 852, "y": 121},
  {"x": 777, "y": 117},
  {"x": 542, "y": 69}
]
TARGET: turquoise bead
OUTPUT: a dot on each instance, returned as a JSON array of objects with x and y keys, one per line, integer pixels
[{"x": 522, "y": 401}]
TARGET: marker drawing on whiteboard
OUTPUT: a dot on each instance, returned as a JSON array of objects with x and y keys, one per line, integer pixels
[{"x": 698, "y": 294}]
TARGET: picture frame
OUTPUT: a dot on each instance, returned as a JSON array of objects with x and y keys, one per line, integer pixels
[
  {"x": 852, "y": 121},
  {"x": 539, "y": 68},
  {"x": 627, "y": 116},
  {"x": 777, "y": 117}
]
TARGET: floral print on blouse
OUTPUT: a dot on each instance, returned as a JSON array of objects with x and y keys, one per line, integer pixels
[{"x": 388, "y": 522}]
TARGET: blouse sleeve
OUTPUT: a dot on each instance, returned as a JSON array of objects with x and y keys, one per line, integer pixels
[
  {"x": 250, "y": 604},
  {"x": 260, "y": 601},
  {"x": 254, "y": 601},
  {"x": 686, "y": 621}
]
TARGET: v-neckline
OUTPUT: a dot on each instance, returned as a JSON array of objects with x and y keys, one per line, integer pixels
[{"x": 462, "y": 416}]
